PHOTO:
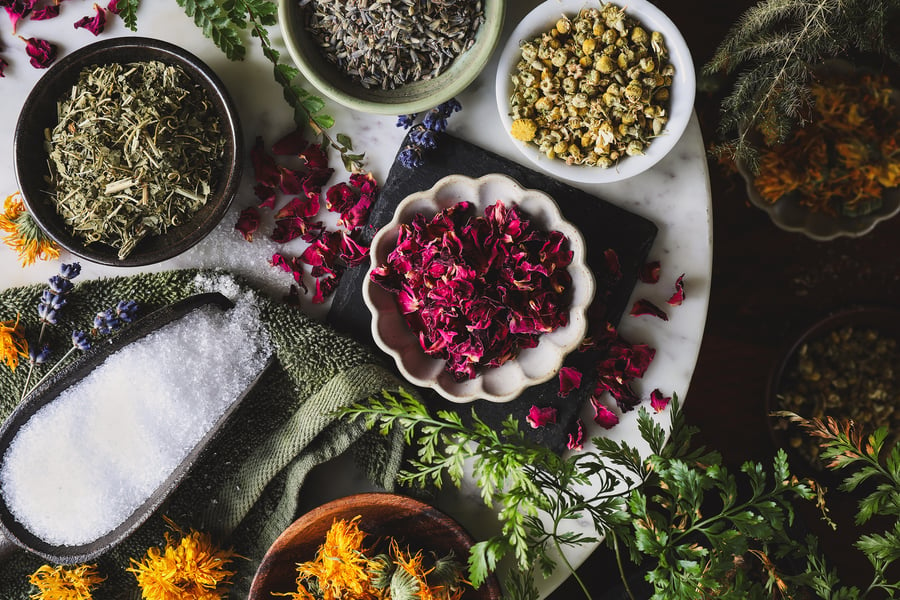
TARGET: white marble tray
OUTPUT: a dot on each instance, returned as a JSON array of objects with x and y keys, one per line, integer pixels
[{"x": 675, "y": 195}]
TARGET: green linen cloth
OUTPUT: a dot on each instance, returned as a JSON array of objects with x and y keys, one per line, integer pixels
[{"x": 244, "y": 489}]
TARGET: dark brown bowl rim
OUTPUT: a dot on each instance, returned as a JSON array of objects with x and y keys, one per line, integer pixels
[
  {"x": 884, "y": 318},
  {"x": 64, "y": 73},
  {"x": 355, "y": 504}
]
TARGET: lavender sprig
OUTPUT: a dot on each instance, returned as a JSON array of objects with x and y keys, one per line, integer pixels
[
  {"x": 422, "y": 136},
  {"x": 52, "y": 301}
]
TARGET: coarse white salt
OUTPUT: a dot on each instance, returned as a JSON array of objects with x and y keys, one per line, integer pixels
[{"x": 82, "y": 464}]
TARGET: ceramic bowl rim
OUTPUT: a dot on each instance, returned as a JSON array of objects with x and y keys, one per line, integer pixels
[
  {"x": 404, "y": 100},
  {"x": 65, "y": 72},
  {"x": 470, "y": 390},
  {"x": 681, "y": 107}
]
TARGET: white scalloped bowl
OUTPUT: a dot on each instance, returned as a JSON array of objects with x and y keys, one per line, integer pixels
[{"x": 533, "y": 365}]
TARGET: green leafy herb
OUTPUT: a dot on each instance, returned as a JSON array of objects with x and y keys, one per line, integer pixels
[{"x": 128, "y": 12}]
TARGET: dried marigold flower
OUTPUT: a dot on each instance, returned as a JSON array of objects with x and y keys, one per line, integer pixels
[
  {"x": 65, "y": 583},
  {"x": 13, "y": 344},
  {"x": 22, "y": 233},
  {"x": 190, "y": 568}
]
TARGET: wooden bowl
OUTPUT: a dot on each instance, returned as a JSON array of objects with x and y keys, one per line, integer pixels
[{"x": 381, "y": 514}]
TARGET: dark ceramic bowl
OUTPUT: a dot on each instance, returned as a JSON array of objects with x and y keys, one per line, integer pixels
[
  {"x": 414, "y": 523},
  {"x": 40, "y": 113},
  {"x": 885, "y": 321}
]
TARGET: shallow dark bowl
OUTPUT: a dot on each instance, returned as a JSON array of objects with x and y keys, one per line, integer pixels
[
  {"x": 39, "y": 113},
  {"x": 885, "y": 320},
  {"x": 414, "y": 523}
]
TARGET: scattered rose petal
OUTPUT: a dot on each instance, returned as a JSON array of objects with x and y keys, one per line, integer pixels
[
  {"x": 248, "y": 222},
  {"x": 352, "y": 252},
  {"x": 265, "y": 170},
  {"x": 42, "y": 52},
  {"x": 614, "y": 269},
  {"x": 650, "y": 272},
  {"x": 265, "y": 194},
  {"x": 576, "y": 439},
  {"x": 17, "y": 9},
  {"x": 95, "y": 24},
  {"x": 541, "y": 416},
  {"x": 325, "y": 286},
  {"x": 48, "y": 12},
  {"x": 292, "y": 144},
  {"x": 569, "y": 379},
  {"x": 316, "y": 159},
  {"x": 678, "y": 297},
  {"x": 603, "y": 416},
  {"x": 658, "y": 401},
  {"x": 113, "y": 7},
  {"x": 292, "y": 180},
  {"x": 645, "y": 307},
  {"x": 289, "y": 265}
]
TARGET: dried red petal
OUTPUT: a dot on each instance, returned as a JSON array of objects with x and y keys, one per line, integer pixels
[
  {"x": 302, "y": 207},
  {"x": 266, "y": 195},
  {"x": 315, "y": 157},
  {"x": 289, "y": 265},
  {"x": 357, "y": 215},
  {"x": 294, "y": 227},
  {"x": 48, "y": 12},
  {"x": 540, "y": 416},
  {"x": 113, "y": 7},
  {"x": 576, "y": 438},
  {"x": 650, "y": 272},
  {"x": 658, "y": 401},
  {"x": 569, "y": 379},
  {"x": 613, "y": 267},
  {"x": 95, "y": 24},
  {"x": 603, "y": 416},
  {"x": 352, "y": 252},
  {"x": 292, "y": 144},
  {"x": 340, "y": 197},
  {"x": 42, "y": 52},
  {"x": 325, "y": 286},
  {"x": 265, "y": 169},
  {"x": 248, "y": 222},
  {"x": 645, "y": 307},
  {"x": 17, "y": 9},
  {"x": 292, "y": 180},
  {"x": 678, "y": 297}
]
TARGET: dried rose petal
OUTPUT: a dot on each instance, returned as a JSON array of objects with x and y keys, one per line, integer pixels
[
  {"x": 658, "y": 401},
  {"x": 352, "y": 252},
  {"x": 265, "y": 170},
  {"x": 477, "y": 289},
  {"x": 576, "y": 438},
  {"x": 17, "y": 9},
  {"x": 322, "y": 253},
  {"x": 645, "y": 307},
  {"x": 266, "y": 195},
  {"x": 603, "y": 416},
  {"x": 325, "y": 286},
  {"x": 113, "y": 7},
  {"x": 678, "y": 297},
  {"x": 569, "y": 379},
  {"x": 293, "y": 227},
  {"x": 612, "y": 264},
  {"x": 316, "y": 159},
  {"x": 292, "y": 180},
  {"x": 541, "y": 416},
  {"x": 248, "y": 222},
  {"x": 94, "y": 24},
  {"x": 302, "y": 207},
  {"x": 48, "y": 12},
  {"x": 292, "y": 144},
  {"x": 42, "y": 52},
  {"x": 289, "y": 265},
  {"x": 650, "y": 272}
]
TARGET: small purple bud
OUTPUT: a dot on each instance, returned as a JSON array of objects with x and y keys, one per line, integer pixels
[
  {"x": 70, "y": 271},
  {"x": 39, "y": 358},
  {"x": 126, "y": 310},
  {"x": 46, "y": 313},
  {"x": 81, "y": 340},
  {"x": 406, "y": 121},
  {"x": 60, "y": 285}
]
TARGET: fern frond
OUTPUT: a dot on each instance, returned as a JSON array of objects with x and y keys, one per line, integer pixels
[
  {"x": 128, "y": 13},
  {"x": 216, "y": 24}
]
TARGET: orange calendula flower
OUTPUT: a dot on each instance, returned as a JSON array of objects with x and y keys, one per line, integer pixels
[
  {"x": 65, "y": 583},
  {"x": 22, "y": 233},
  {"x": 845, "y": 157},
  {"x": 191, "y": 568},
  {"x": 12, "y": 343},
  {"x": 341, "y": 566}
]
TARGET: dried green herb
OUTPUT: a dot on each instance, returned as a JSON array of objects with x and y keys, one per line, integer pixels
[{"x": 136, "y": 150}]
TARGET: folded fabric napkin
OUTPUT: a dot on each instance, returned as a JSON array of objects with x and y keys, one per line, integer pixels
[{"x": 245, "y": 488}]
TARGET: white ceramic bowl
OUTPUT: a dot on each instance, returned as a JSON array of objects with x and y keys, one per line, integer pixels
[
  {"x": 681, "y": 104},
  {"x": 533, "y": 365}
]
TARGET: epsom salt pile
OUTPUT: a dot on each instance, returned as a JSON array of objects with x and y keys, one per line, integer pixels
[{"x": 87, "y": 460}]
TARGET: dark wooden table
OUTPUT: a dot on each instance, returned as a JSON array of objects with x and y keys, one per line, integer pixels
[{"x": 768, "y": 285}]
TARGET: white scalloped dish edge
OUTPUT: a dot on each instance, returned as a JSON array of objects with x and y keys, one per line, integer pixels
[{"x": 533, "y": 365}]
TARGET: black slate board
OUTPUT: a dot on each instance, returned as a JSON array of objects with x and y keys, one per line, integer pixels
[{"x": 604, "y": 226}]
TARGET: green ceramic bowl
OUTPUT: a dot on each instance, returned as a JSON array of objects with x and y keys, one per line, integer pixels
[{"x": 409, "y": 98}]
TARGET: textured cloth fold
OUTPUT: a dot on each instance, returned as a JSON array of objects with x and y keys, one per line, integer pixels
[{"x": 247, "y": 485}]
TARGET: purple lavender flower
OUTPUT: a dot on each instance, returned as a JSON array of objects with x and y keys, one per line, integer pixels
[
  {"x": 423, "y": 136},
  {"x": 411, "y": 157},
  {"x": 106, "y": 321},
  {"x": 70, "y": 271},
  {"x": 81, "y": 340},
  {"x": 126, "y": 310},
  {"x": 36, "y": 357},
  {"x": 406, "y": 121},
  {"x": 60, "y": 285}
]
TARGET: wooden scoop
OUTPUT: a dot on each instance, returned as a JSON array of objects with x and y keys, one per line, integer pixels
[{"x": 13, "y": 535}]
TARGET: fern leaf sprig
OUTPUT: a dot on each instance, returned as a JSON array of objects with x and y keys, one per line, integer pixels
[
  {"x": 771, "y": 52},
  {"x": 128, "y": 13},
  {"x": 215, "y": 23}
]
